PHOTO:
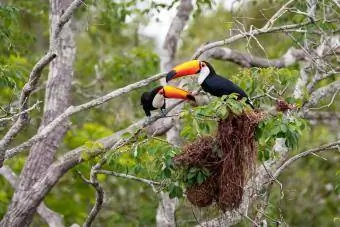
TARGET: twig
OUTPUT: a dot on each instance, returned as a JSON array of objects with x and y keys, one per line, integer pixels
[
  {"x": 18, "y": 114},
  {"x": 277, "y": 15},
  {"x": 127, "y": 176},
  {"x": 99, "y": 193},
  {"x": 246, "y": 34},
  {"x": 328, "y": 105},
  {"x": 328, "y": 147},
  {"x": 251, "y": 220}
]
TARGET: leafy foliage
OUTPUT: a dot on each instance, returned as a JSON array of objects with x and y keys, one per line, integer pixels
[{"x": 111, "y": 54}]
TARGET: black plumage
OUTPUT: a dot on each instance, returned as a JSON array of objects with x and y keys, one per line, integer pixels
[
  {"x": 218, "y": 86},
  {"x": 147, "y": 98}
]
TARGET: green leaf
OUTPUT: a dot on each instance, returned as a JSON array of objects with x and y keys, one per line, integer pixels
[
  {"x": 175, "y": 191},
  {"x": 266, "y": 154},
  {"x": 283, "y": 128},
  {"x": 200, "y": 178}
]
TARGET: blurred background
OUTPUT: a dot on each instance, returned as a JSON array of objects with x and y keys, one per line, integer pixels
[{"x": 119, "y": 42}]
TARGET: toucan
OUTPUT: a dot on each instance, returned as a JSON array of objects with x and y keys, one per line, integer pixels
[
  {"x": 208, "y": 79},
  {"x": 155, "y": 99}
]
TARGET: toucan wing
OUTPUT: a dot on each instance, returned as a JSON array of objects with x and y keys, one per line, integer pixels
[{"x": 219, "y": 86}]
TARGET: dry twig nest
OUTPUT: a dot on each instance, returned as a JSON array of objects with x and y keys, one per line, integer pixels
[{"x": 230, "y": 158}]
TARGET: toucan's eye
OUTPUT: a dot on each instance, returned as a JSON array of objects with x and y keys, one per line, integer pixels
[{"x": 202, "y": 64}]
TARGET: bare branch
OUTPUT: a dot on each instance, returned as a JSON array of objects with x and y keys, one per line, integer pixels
[
  {"x": 34, "y": 77},
  {"x": 66, "y": 16},
  {"x": 75, "y": 109},
  {"x": 336, "y": 2},
  {"x": 327, "y": 105},
  {"x": 277, "y": 15},
  {"x": 20, "y": 113},
  {"x": 24, "y": 98},
  {"x": 322, "y": 92},
  {"x": 317, "y": 115},
  {"x": 327, "y": 147},
  {"x": 173, "y": 35},
  {"x": 52, "y": 218},
  {"x": 127, "y": 176},
  {"x": 99, "y": 197},
  {"x": 247, "y": 60},
  {"x": 251, "y": 33}
]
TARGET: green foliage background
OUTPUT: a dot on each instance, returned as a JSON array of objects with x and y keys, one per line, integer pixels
[{"x": 109, "y": 47}]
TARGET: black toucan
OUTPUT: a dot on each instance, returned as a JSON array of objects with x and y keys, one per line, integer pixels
[
  {"x": 155, "y": 99},
  {"x": 208, "y": 79}
]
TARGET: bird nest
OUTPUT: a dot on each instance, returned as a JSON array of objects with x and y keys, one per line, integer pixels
[{"x": 230, "y": 158}]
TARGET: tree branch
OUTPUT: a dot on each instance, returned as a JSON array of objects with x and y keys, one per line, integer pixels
[
  {"x": 23, "y": 102},
  {"x": 246, "y": 34},
  {"x": 322, "y": 92},
  {"x": 318, "y": 115},
  {"x": 34, "y": 77},
  {"x": 328, "y": 147},
  {"x": 20, "y": 113},
  {"x": 99, "y": 196},
  {"x": 277, "y": 15},
  {"x": 52, "y": 218},
  {"x": 127, "y": 176},
  {"x": 247, "y": 60},
  {"x": 75, "y": 109}
]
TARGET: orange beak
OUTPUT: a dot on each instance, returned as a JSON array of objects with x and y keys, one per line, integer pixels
[
  {"x": 176, "y": 93},
  {"x": 184, "y": 69}
]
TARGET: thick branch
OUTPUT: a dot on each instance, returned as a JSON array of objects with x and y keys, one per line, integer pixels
[
  {"x": 75, "y": 109},
  {"x": 322, "y": 92},
  {"x": 173, "y": 35},
  {"x": 52, "y": 218},
  {"x": 24, "y": 98},
  {"x": 318, "y": 115},
  {"x": 247, "y": 60}
]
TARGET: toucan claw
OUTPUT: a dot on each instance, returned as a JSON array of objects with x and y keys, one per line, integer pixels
[
  {"x": 148, "y": 120},
  {"x": 163, "y": 112}
]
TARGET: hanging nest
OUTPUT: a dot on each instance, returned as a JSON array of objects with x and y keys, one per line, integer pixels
[{"x": 230, "y": 158}]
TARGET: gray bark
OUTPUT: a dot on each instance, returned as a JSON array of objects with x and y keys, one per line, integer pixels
[
  {"x": 52, "y": 218},
  {"x": 58, "y": 88},
  {"x": 166, "y": 211}
]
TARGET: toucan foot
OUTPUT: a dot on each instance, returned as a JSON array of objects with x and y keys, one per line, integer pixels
[
  {"x": 148, "y": 120},
  {"x": 163, "y": 113}
]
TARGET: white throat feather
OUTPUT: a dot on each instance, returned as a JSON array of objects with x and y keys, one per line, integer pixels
[
  {"x": 203, "y": 74},
  {"x": 158, "y": 101}
]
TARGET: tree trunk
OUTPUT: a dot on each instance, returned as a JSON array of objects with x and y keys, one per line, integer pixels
[
  {"x": 57, "y": 94},
  {"x": 166, "y": 208}
]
